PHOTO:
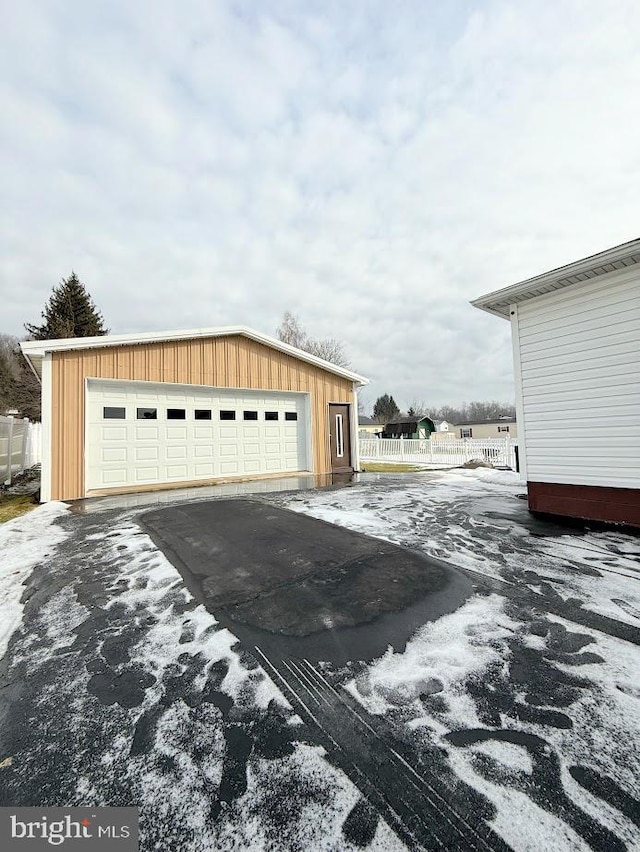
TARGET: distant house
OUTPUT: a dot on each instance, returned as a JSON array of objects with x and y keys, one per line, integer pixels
[
  {"x": 504, "y": 427},
  {"x": 576, "y": 348},
  {"x": 445, "y": 431},
  {"x": 368, "y": 428},
  {"x": 409, "y": 427}
]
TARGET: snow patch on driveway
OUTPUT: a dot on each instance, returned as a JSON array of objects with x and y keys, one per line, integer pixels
[
  {"x": 148, "y": 578},
  {"x": 470, "y": 518},
  {"x": 438, "y": 660},
  {"x": 24, "y": 542}
]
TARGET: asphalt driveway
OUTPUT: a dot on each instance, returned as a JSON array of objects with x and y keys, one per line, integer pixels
[
  {"x": 301, "y": 586},
  {"x": 435, "y": 671}
]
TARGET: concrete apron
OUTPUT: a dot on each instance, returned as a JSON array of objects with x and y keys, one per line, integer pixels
[{"x": 300, "y": 587}]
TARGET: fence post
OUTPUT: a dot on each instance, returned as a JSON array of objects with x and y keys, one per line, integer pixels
[
  {"x": 3, "y": 421},
  {"x": 402, "y": 447},
  {"x": 430, "y": 450},
  {"x": 378, "y": 447},
  {"x": 10, "y": 452},
  {"x": 25, "y": 438}
]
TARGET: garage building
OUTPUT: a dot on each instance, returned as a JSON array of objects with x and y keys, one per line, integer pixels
[
  {"x": 576, "y": 349},
  {"x": 138, "y": 412}
]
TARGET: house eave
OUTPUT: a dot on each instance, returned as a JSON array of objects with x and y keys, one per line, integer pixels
[{"x": 499, "y": 302}]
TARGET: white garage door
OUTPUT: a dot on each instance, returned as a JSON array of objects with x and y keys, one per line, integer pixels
[{"x": 142, "y": 433}]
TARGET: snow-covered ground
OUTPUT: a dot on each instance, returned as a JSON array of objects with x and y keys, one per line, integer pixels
[
  {"x": 24, "y": 542},
  {"x": 132, "y": 693},
  {"x": 142, "y": 697},
  {"x": 466, "y": 517},
  {"x": 573, "y": 692}
]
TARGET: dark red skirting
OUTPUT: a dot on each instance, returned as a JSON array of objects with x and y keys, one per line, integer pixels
[{"x": 588, "y": 502}]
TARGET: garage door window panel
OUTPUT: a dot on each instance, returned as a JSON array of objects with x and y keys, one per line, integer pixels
[
  {"x": 176, "y": 414},
  {"x": 227, "y": 415},
  {"x": 271, "y": 415},
  {"x": 110, "y": 412},
  {"x": 202, "y": 414},
  {"x": 146, "y": 413}
]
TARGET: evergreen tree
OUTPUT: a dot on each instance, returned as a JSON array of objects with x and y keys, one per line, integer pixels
[
  {"x": 70, "y": 312},
  {"x": 385, "y": 409}
]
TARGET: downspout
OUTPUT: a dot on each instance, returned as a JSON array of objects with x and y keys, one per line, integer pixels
[
  {"x": 46, "y": 416},
  {"x": 517, "y": 375},
  {"x": 355, "y": 439}
]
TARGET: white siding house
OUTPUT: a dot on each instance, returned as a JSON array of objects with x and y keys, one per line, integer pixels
[{"x": 576, "y": 348}]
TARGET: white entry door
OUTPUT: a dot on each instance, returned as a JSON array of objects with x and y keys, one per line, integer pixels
[{"x": 146, "y": 433}]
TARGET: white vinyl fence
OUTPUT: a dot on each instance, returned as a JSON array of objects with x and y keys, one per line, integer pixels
[
  {"x": 20, "y": 446},
  {"x": 451, "y": 453}
]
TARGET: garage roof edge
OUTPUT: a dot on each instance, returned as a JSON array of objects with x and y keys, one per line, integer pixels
[{"x": 35, "y": 350}]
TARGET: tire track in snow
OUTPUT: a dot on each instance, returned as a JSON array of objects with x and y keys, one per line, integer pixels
[{"x": 414, "y": 802}]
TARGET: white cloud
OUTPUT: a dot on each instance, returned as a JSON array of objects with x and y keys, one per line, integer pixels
[{"x": 372, "y": 167}]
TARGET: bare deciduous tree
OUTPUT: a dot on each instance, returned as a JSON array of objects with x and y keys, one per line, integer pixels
[
  {"x": 474, "y": 411},
  {"x": 363, "y": 404},
  {"x": 19, "y": 388},
  {"x": 290, "y": 331},
  {"x": 418, "y": 408}
]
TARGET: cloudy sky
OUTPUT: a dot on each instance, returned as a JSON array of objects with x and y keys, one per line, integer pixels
[{"x": 371, "y": 166}]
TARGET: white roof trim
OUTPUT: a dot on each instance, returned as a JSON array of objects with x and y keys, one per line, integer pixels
[
  {"x": 618, "y": 257},
  {"x": 34, "y": 350}
]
